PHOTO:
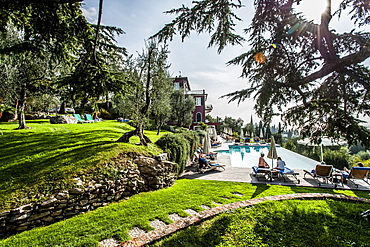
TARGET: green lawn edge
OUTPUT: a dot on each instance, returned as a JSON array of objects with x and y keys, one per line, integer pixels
[
  {"x": 38, "y": 162},
  {"x": 116, "y": 219}
]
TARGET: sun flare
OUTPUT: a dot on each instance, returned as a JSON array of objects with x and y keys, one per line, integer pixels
[{"x": 312, "y": 9}]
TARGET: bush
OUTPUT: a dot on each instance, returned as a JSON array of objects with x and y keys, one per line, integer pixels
[
  {"x": 150, "y": 125},
  {"x": 193, "y": 138},
  {"x": 177, "y": 147},
  {"x": 173, "y": 129},
  {"x": 363, "y": 155},
  {"x": 337, "y": 158},
  {"x": 104, "y": 114},
  {"x": 291, "y": 145}
]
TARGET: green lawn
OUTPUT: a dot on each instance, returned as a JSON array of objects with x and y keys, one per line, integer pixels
[
  {"x": 45, "y": 158},
  {"x": 42, "y": 160},
  {"x": 117, "y": 219},
  {"x": 282, "y": 223}
]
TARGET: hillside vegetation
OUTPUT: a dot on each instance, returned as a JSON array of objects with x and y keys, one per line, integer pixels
[{"x": 37, "y": 162}]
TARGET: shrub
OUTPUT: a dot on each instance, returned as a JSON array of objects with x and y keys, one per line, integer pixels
[
  {"x": 337, "y": 158},
  {"x": 150, "y": 125},
  {"x": 178, "y": 149},
  {"x": 104, "y": 114},
  {"x": 291, "y": 145},
  {"x": 193, "y": 138},
  {"x": 364, "y": 155}
]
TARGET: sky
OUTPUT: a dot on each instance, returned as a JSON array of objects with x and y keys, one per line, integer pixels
[{"x": 204, "y": 67}]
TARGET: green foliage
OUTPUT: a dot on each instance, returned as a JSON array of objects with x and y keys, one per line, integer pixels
[
  {"x": 148, "y": 98},
  {"x": 182, "y": 108},
  {"x": 104, "y": 114},
  {"x": 278, "y": 138},
  {"x": 178, "y": 147},
  {"x": 55, "y": 153},
  {"x": 291, "y": 145},
  {"x": 337, "y": 158},
  {"x": 203, "y": 126},
  {"x": 117, "y": 219},
  {"x": 311, "y": 75},
  {"x": 193, "y": 138},
  {"x": 308, "y": 151},
  {"x": 234, "y": 124},
  {"x": 325, "y": 223},
  {"x": 202, "y": 133},
  {"x": 249, "y": 128},
  {"x": 363, "y": 155},
  {"x": 98, "y": 70}
]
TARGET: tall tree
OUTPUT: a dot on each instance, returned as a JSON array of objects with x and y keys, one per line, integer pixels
[
  {"x": 98, "y": 70},
  {"x": 161, "y": 108},
  {"x": 234, "y": 124},
  {"x": 149, "y": 72},
  {"x": 25, "y": 72},
  {"x": 38, "y": 48},
  {"x": 182, "y": 108},
  {"x": 310, "y": 73}
]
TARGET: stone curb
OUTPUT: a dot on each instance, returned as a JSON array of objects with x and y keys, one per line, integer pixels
[{"x": 206, "y": 214}]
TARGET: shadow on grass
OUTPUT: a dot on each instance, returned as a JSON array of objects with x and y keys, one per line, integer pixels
[
  {"x": 198, "y": 236},
  {"x": 31, "y": 159},
  {"x": 260, "y": 188},
  {"x": 280, "y": 223}
]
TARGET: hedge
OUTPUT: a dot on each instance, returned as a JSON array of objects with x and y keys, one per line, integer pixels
[{"x": 179, "y": 147}]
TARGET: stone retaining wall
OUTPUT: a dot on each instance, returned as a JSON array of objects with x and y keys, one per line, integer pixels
[{"x": 132, "y": 177}]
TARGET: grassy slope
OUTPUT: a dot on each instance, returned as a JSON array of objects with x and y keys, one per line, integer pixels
[
  {"x": 284, "y": 223},
  {"x": 117, "y": 219},
  {"x": 45, "y": 157}
]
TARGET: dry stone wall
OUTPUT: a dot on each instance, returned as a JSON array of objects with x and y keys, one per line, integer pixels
[{"x": 141, "y": 174}]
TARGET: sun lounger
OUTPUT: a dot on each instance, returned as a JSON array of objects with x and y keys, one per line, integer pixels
[
  {"x": 260, "y": 172},
  {"x": 89, "y": 118},
  {"x": 212, "y": 166},
  {"x": 288, "y": 172},
  {"x": 323, "y": 172},
  {"x": 211, "y": 156},
  {"x": 209, "y": 166},
  {"x": 357, "y": 173},
  {"x": 79, "y": 119}
]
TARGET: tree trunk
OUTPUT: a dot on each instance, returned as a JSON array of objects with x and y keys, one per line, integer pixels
[
  {"x": 139, "y": 131},
  {"x": 62, "y": 109},
  {"x": 21, "y": 107},
  {"x": 159, "y": 128}
]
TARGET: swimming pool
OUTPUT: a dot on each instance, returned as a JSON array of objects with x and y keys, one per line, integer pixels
[{"x": 247, "y": 156}]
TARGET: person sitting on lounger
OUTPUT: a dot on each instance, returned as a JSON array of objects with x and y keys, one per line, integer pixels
[
  {"x": 262, "y": 162},
  {"x": 347, "y": 171},
  {"x": 359, "y": 164},
  {"x": 280, "y": 165},
  {"x": 202, "y": 162}
]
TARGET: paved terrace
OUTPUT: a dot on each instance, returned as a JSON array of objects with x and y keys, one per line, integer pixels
[
  {"x": 238, "y": 174},
  {"x": 232, "y": 174}
]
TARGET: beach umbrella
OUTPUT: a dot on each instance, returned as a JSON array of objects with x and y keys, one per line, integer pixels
[
  {"x": 241, "y": 133},
  {"x": 261, "y": 133},
  {"x": 272, "y": 154},
  {"x": 207, "y": 144},
  {"x": 214, "y": 133}
]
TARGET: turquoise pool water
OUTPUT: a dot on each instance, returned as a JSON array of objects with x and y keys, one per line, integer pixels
[{"x": 247, "y": 156}]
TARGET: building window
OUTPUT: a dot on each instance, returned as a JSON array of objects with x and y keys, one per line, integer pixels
[
  {"x": 177, "y": 85},
  {"x": 199, "y": 117},
  {"x": 198, "y": 101}
]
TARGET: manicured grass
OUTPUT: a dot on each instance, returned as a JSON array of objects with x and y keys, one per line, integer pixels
[
  {"x": 40, "y": 161},
  {"x": 117, "y": 219},
  {"x": 281, "y": 223}
]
